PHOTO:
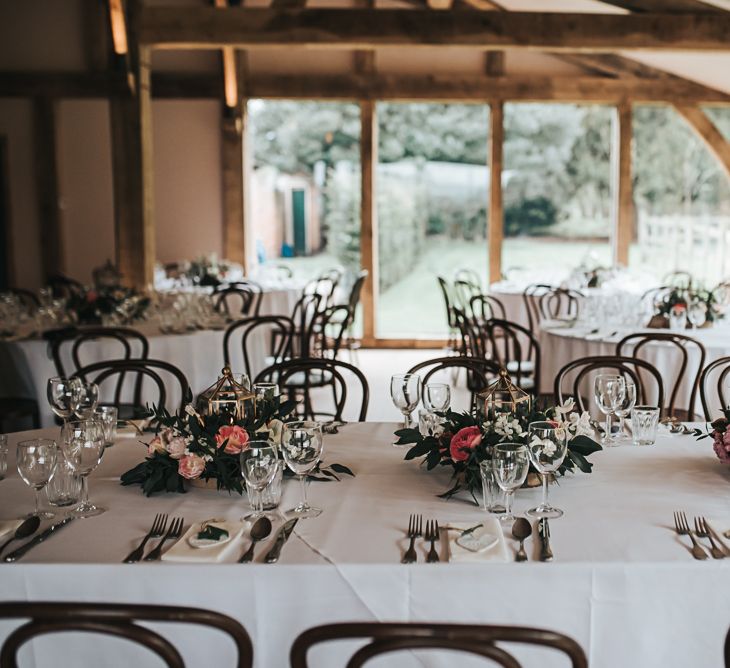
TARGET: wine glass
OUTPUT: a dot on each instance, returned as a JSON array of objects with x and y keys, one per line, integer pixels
[
  {"x": 510, "y": 464},
  {"x": 436, "y": 397},
  {"x": 697, "y": 314},
  {"x": 405, "y": 391},
  {"x": 608, "y": 390},
  {"x": 83, "y": 445},
  {"x": 61, "y": 393},
  {"x": 301, "y": 445},
  {"x": 624, "y": 408},
  {"x": 86, "y": 396},
  {"x": 36, "y": 461},
  {"x": 547, "y": 447},
  {"x": 259, "y": 463}
]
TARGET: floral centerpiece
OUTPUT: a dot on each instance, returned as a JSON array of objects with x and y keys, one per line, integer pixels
[
  {"x": 720, "y": 435},
  {"x": 465, "y": 440},
  {"x": 91, "y": 304},
  {"x": 680, "y": 298},
  {"x": 190, "y": 446}
]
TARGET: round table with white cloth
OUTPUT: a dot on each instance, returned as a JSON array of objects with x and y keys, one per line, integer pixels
[
  {"x": 27, "y": 365},
  {"x": 559, "y": 346}
]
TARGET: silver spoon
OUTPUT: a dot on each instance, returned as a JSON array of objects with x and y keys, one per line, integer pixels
[
  {"x": 521, "y": 529},
  {"x": 27, "y": 528},
  {"x": 261, "y": 529}
]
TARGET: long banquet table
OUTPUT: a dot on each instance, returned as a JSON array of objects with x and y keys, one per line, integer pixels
[
  {"x": 26, "y": 365},
  {"x": 622, "y": 583}
]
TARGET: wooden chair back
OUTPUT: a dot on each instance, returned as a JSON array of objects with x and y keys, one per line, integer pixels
[
  {"x": 559, "y": 303},
  {"x": 720, "y": 368},
  {"x": 279, "y": 329}
]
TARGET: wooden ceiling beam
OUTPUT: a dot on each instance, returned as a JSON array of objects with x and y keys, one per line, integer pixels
[
  {"x": 119, "y": 27},
  {"x": 667, "y": 6},
  {"x": 209, "y": 27},
  {"x": 708, "y": 132}
]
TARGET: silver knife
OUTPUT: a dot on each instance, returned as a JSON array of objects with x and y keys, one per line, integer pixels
[
  {"x": 16, "y": 554},
  {"x": 281, "y": 538},
  {"x": 543, "y": 528}
]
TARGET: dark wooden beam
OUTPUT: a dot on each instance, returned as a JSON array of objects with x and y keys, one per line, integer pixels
[
  {"x": 495, "y": 222},
  {"x": 709, "y": 133},
  {"x": 46, "y": 172},
  {"x": 59, "y": 84},
  {"x": 494, "y": 63},
  {"x": 667, "y": 6},
  {"x": 208, "y": 27},
  {"x": 118, "y": 21},
  {"x": 368, "y": 216},
  {"x": 623, "y": 184}
]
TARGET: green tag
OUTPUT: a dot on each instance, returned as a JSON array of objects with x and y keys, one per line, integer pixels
[{"x": 211, "y": 532}]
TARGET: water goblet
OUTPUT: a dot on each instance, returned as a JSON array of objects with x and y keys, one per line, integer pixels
[
  {"x": 64, "y": 488},
  {"x": 624, "y": 409},
  {"x": 301, "y": 445},
  {"x": 697, "y": 314},
  {"x": 86, "y": 396},
  {"x": 108, "y": 416},
  {"x": 36, "y": 462},
  {"x": 436, "y": 397},
  {"x": 83, "y": 445},
  {"x": 61, "y": 393},
  {"x": 546, "y": 448},
  {"x": 405, "y": 391},
  {"x": 259, "y": 464},
  {"x": 608, "y": 391},
  {"x": 510, "y": 464}
]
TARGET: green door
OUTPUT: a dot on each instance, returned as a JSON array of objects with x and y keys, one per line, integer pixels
[{"x": 300, "y": 222}]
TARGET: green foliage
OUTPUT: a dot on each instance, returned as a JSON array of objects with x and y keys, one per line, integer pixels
[{"x": 529, "y": 216}]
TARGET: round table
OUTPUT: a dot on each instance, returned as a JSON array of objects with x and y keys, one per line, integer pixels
[{"x": 26, "y": 365}]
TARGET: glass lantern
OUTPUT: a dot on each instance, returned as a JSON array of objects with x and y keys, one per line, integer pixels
[
  {"x": 228, "y": 396},
  {"x": 503, "y": 396}
]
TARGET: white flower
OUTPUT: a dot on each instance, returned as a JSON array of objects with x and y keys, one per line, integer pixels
[
  {"x": 568, "y": 407},
  {"x": 190, "y": 410},
  {"x": 580, "y": 425},
  {"x": 544, "y": 446}
]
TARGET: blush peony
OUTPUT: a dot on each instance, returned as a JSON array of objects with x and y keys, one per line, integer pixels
[
  {"x": 235, "y": 438},
  {"x": 156, "y": 445},
  {"x": 176, "y": 447},
  {"x": 191, "y": 467},
  {"x": 463, "y": 442},
  {"x": 721, "y": 445}
]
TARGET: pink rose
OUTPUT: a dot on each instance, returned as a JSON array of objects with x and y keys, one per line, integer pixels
[
  {"x": 721, "y": 446},
  {"x": 464, "y": 440},
  {"x": 166, "y": 435},
  {"x": 235, "y": 438},
  {"x": 155, "y": 445},
  {"x": 553, "y": 423},
  {"x": 191, "y": 467},
  {"x": 176, "y": 447},
  {"x": 725, "y": 438}
]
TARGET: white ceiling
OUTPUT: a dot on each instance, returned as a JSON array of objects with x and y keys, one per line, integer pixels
[{"x": 712, "y": 70}]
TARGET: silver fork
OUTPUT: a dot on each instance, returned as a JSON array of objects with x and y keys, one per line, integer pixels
[
  {"x": 157, "y": 530},
  {"x": 175, "y": 531},
  {"x": 415, "y": 529},
  {"x": 703, "y": 531},
  {"x": 682, "y": 528},
  {"x": 432, "y": 534}
]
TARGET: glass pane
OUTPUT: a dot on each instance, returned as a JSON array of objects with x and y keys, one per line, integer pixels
[
  {"x": 720, "y": 116},
  {"x": 557, "y": 190},
  {"x": 432, "y": 188},
  {"x": 682, "y": 200},
  {"x": 305, "y": 186}
]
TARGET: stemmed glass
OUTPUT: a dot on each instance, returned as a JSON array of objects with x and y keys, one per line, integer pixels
[
  {"x": 36, "y": 461},
  {"x": 624, "y": 409},
  {"x": 61, "y": 394},
  {"x": 301, "y": 445},
  {"x": 608, "y": 390},
  {"x": 83, "y": 444},
  {"x": 259, "y": 463},
  {"x": 86, "y": 397},
  {"x": 436, "y": 397},
  {"x": 405, "y": 391},
  {"x": 546, "y": 448},
  {"x": 510, "y": 464},
  {"x": 697, "y": 314}
]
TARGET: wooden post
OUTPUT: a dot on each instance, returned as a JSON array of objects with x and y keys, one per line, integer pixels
[
  {"x": 495, "y": 223},
  {"x": 46, "y": 172},
  {"x": 232, "y": 145},
  {"x": 368, "y": 217},
  {"x": 623, "y": 190},
  {"x": 131, "y": 120}
]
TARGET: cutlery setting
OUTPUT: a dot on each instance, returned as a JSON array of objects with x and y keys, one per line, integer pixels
[
  {"x": 716, "y": 549},
  {"x": 41, "y": 537}
]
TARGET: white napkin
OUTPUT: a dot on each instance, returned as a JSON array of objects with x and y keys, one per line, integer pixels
[
  {"x": 8, "y": 526},
  {"x": 490, "y": 525},
  {"x": 182, "y": 551},
  {"x": 557, "y": 324}
]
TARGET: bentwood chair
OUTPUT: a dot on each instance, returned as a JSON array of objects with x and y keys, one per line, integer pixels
[
  {"x": 279, "y": 329},
  {"x": 727, "y": 650},
  {"x": 308, "y": 381},
  {"x": 530, "y": 297},
  {"x": 719, "y": 368},
  {"x": 559, "y": 303},
  {"x": 119, "y": 621},
  {"x": 64, "y": 287},
  {"x": 486, "y": 307},
  {"x": 688, "y": 359},
  {"x": 464, "y": 293},
  {"x": 155, "y": 371},
  {"x": 516, "y": 349},
  {"x": 385, "y": 638},
  {"x": 28, "y": 299},
  {"x": 234, "y": 301},
  {"x": 450, "y": 314},
  {"x": 581, "y": 370},
  {"x": 480, "y": 372}
]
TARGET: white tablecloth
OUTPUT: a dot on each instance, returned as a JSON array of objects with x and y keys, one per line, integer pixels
[
  {"x": 622, "y": 583},
  {"x": 560, "y": 346},
  {"x": 25, "y": 366}
]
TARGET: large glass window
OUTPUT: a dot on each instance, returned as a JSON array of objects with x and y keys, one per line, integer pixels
[
  {"x": 682, "y": 199},
  {"x": 305, "y": 185},
  {"x": 556, "y": 190},
  {"x": 432, "y": 187}
]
